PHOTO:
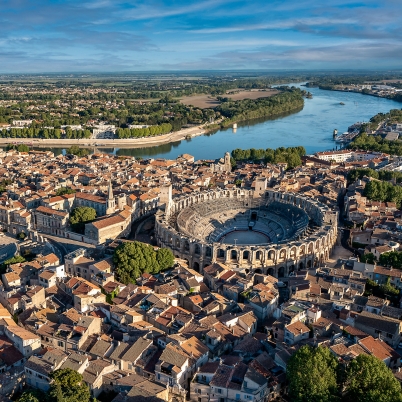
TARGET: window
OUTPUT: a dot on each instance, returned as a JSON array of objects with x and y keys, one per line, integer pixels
[
  {"x": 245, "y": 384},
  {"x": 219, "y": 391},
  {"x": 237, "y": 397},
  {"x": 199, "y": 390},
  {"x": 389, "y": 336}
]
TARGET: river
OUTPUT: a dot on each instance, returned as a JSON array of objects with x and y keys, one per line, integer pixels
[{"x": 311, "y": 127}]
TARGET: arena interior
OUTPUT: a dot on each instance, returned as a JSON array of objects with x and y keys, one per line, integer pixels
[{"x": 272, "y": 232}]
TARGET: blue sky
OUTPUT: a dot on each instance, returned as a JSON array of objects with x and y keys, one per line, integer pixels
[{"x": 149, "y": 35}]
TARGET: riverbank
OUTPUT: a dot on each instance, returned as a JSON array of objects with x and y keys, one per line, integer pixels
[
  {"x": 376, "y": 95},
  {"x": 311, "y": 127},
  {"x": 109, "y": 143}
]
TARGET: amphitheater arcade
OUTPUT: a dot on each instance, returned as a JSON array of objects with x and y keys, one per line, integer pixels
[{"x": 300, "y": 232}]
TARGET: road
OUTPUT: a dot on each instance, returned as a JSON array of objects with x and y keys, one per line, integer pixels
[
  {"x": 113, "y": 143},
  {"x": 345, "y": 233},
  {"x": 341, "y": 249}
]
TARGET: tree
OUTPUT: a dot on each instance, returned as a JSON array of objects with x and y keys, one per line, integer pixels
[
  {"x": 392, "y": 259},
  {"x": 134, "y": 258},
  {"x": 68, "y": 386},
  {"x": 80, "y": 216},
  {"x": 19, "y": 148},
  {"x": 165, "y": 258},
  {"x": 368, "y": 258},
  {"x": 76, "y": 150},
  {"x": 32, "y": 395},
  {"x": 13, "y": 260},
  {"x": 65, "y": 190},
  {"x": 368, "y": 379},
  {"x": 23, "y": 148},
  {"x": 312, "y": 375}
]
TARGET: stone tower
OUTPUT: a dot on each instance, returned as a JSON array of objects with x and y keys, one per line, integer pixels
[
  {"x": 260, "y": 186},
  {"x": 111, "y": 202},
  {"x": 228, "y": 165},
  {"x": 165, "y": 196}
]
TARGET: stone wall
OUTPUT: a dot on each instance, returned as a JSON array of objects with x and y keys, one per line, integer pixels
[{"x": 307, "y": 248}]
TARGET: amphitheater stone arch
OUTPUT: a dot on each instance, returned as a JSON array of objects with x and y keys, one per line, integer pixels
[{"x": 277, "y": 232}]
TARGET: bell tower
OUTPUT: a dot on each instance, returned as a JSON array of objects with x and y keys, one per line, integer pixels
[{"x": 111, "y": 202}]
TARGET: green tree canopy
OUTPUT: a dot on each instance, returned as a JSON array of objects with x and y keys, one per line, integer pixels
[
  {"x": 134, "y": 258},
  {"x": 13, "y": 260},
  {"x": 383, "y": 191},
  {"x": 19, "y": 148},
  {"x": 291, "y": 155},
  {"x": 80, "y": 216},
  {"x": 68, "y": 386},
  {"x": 76, "y": 150},
  {"x": 23, "y": 148},
  {"x": 368, "y": 258},
  {"x": 165, "y": 258},
  {"x": 392, "y": 259},
  {"x": 32, "y": 395},
  {"x": 312, "y": 375},
  {"x": 65, "y": 190},
  {"x": 368, "y": 379}
]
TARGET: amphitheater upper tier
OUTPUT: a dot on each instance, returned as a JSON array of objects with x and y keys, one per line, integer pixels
[{"x": 271, "y": 231}]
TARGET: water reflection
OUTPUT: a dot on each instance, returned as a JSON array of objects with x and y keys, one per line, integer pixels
[{"x": 311, "y": 127}]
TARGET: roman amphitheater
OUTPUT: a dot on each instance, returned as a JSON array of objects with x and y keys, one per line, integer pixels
[{"x": 267, "y": 231}]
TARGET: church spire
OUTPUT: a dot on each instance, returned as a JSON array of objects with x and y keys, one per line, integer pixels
[
  {"x": 110, "y": 191},
  {"x": 110, "y": 203}
]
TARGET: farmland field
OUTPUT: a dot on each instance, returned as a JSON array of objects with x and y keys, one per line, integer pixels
[{"x": 209, "y": 101}]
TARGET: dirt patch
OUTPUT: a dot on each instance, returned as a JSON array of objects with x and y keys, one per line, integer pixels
[
  {"x": 252, "y": 94},
  {"x": 201, "y": 101},
  {"x": 209, "y": 101}
]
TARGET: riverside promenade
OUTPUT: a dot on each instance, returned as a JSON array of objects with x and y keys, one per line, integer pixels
[{"x": 114, "y": 143}]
